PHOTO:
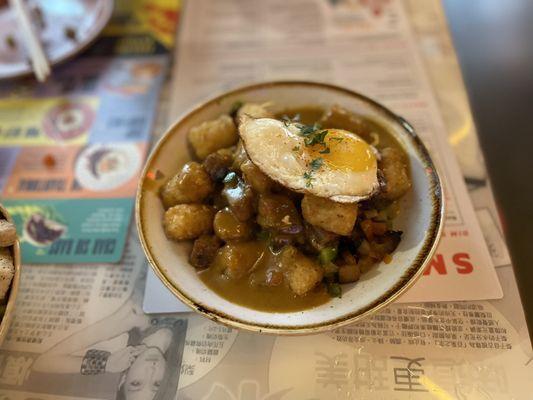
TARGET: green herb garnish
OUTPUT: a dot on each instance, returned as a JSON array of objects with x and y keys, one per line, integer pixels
[
  {"x": 316, "y": 138},
  {"x": 296, "y": 148},
  {"x": 307, "y": 130},
  {"x": 338, "y": 139},
  {"x": 308, "y": 179},
  {"x": 316, "y": 163},
  {"x": 314, "y": 135}
]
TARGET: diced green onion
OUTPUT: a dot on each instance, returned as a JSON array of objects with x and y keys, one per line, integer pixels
[{"x": 327, "y": 255}]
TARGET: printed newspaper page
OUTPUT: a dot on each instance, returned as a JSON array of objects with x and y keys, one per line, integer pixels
[
  {"x": 70, "y": 318},
  {"x": 234, "y": 42},
  {"x": 79, "y": 333}
]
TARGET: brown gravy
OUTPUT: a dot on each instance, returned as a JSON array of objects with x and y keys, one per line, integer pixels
[{"x": 252, "y": 291}]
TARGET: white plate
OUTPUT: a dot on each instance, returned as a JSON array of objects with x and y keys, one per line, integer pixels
[{"x": 87, "y": 18}]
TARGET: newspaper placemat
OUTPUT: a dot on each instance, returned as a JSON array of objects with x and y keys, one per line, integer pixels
[
  {"x": 456, "y": 350},
  {"x": 70, "y": 313}
]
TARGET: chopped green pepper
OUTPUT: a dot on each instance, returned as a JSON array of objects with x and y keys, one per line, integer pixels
[{"x": 327, "y": 255}]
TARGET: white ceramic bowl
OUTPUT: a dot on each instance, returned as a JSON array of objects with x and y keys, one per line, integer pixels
[{"x": 420, "y": 220}]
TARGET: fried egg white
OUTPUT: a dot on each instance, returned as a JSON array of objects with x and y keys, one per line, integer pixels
[{"x": 342, "y": 168}]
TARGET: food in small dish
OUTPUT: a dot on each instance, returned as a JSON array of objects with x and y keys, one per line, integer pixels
[
  {"x": 7, "y": 271},
  {"x": 283, "y": 209},
  {"x": 8, "y": 237}
]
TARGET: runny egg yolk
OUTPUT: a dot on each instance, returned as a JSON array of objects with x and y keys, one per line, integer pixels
[{"x": 347, "y": 152}]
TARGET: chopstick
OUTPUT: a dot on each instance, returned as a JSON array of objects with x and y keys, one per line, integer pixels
[{"x": 39, "y": 62}]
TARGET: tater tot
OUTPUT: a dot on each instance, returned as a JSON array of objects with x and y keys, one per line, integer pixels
[
  {"x": 217, "y": 164},
  {"x": 329, "y": 215},
  {"x": 8, "y": 233},
  {"x": 395, "y": 171},
  {"x": 191, "y": 185},
  {"x": 256, "y": 178},
  {"x": 188, "y": 221},
  {"x": 213, "y": 135},
  {"x": 255, "y": 110},
  {"x": 302, "y": 272}
]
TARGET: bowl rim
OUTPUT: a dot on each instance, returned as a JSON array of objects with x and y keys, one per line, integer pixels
[
  {"x": 5, "y": 323},
  {"x": 413, "y": 273}
]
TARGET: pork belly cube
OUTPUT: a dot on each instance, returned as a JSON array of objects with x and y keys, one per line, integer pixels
[{"x": 204, "y": 251}]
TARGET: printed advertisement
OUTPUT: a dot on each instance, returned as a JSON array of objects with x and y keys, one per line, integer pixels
[
  {"x": 83, "y": 136},
  {"x": 79, "y": 333}
]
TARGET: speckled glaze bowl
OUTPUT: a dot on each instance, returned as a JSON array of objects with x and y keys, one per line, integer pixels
[
  {"x": 421, "y": 217},
  {"x": 13, "y": 290}
]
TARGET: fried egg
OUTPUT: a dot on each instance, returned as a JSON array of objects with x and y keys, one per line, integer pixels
[{"x": 333, "y": 163}]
